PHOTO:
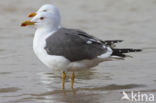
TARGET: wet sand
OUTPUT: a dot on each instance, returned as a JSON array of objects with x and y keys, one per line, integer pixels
[{"x": 24, "y": 79}]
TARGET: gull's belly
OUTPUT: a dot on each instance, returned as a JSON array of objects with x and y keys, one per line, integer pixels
[{"x": 52, "y": 61}]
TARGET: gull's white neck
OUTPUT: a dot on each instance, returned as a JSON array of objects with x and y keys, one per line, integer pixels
[{"x": 44, "y": 31}]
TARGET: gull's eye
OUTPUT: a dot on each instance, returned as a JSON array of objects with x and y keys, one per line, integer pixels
[
  {"x": 41, "y": 18},
  {"x": 44, "y": 10}
]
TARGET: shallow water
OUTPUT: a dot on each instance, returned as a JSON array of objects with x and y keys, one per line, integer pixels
[{"x": 23, "y": 79}]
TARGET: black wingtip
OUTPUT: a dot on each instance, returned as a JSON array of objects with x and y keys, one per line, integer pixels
[
  {"x": 120, "y": 40},
  {"x": 137, "y": 50},
  {"x": 111, "y": 42},
  {"x": 120, "y": 52}
]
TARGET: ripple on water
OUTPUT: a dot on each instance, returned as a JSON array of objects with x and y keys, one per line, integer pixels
[
  {"x": 5, "y": 73},
  {"x": 104, "y": 88},
  {"x": 1, "y": 50},
  {"x": 8, "y": 90},
  {"x": 77, "y": 94}
]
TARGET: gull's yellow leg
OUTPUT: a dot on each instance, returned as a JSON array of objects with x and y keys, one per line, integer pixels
[
  {"x": 72, "y": 80},
  {"x": 63, "y": 80}
]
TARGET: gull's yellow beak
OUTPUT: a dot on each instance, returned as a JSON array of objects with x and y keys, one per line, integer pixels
[
  {"x": 32, "y": 14},
  {"x": 28, "y": 22}
]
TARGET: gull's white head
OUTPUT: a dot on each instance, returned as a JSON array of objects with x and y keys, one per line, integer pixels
[
  {"x": 48, "y": 8},
  {"x": 47, "y": 17},
  {"x": 47, "y": 20}
]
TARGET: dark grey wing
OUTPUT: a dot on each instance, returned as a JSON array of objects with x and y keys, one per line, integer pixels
[
  {"x": 110, "y": 43},
  {"x": 90, "y": 38},
  {"x": 75, "y": 47}
]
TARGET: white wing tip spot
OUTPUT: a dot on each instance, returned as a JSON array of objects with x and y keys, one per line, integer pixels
[{"x": 89, "y": 42}]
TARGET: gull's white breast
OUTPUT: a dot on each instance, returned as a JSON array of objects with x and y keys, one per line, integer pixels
[{"x": 52, "y": 61}]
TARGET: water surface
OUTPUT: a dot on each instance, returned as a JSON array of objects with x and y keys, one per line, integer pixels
[{"x": 24, "y": 79}]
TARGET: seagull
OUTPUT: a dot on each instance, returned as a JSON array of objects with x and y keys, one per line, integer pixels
[{"x": 65, "y": 49}]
